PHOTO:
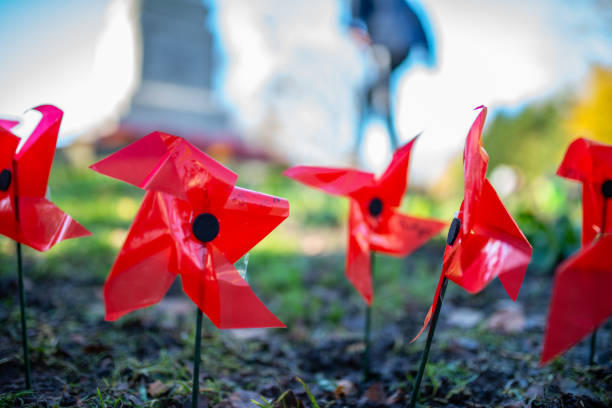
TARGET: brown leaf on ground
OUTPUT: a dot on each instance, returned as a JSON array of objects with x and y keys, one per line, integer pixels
[
  {"x": 509, "y": 318},
  {"x": 376, "y": 393},
  {"x": 157, "y": 389},
  {"x": 241, "y": 399},
  {"x": 345, "y": 388}
]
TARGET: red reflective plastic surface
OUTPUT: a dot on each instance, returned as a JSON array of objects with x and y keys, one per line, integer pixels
[
  {"x": 385, "y": 230},
  {"x": 182, "y": 183},
  {"x": 25, "y": 214},
  {"x": 489, "y": 243},
  {"x": 581, "y": 298}
]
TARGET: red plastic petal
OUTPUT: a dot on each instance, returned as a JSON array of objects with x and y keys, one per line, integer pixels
[
  {"x": 8, "y": 124},
  {"x": 332, "y": 180},
  {"x": 143, "y": 163},
  {"x": 34, "y": 160},
  {"x": 246, "y": 219},
  {"x": 42, "y": 224},
  {"x": 394, "y": 181},
  {"x": 166, "y": 163},
  {"x": 581, "y": 298},
  {"x": 475, "y": 161},
  {"x": 495, "y": 247},
  {"x": 431, "y": 308},
  {"x": 402, "y": 234},
  {"x": 142, "y": 272},
  {"x": 358, "y": 267},
  {"x": 222, "y": 294},
  {"x": 587, "y": 161},
  {"x": 590, "y": 162}
]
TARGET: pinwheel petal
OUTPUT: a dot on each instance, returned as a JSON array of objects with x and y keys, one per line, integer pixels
[
  {"x": 581, "y": 298},
  {"x": 332, "y": 180},
  {"x": 495, "y": 247},
  {"x": 246, "y": 218},
  {"x": 42, "y": 224},
  {"x": 238, "y": 304},
  {"x": 475, "y": 161},
  {"x": 169, "y": 164},
  {"x": 402, "y": 234},
  {"x": 431, "y": 308},
  {"x": 144, "y": 271},
  {"x": 358, "y": 267},
  {"x": 394, "y": 181},
  {"x": 34, "y": 159},
  {"x": 587, "y": 161},
  {"x": 223, "y": 295},
  {"x": 146, "y": 164},
  {"x": 8, "y": 124}
]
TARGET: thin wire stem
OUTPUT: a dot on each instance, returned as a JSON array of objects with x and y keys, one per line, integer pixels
[
  {"x": 367, "y": 329},
  {"x": 24, "y": 329},
  {"x": 195, "y": 392},
  {"x": 430, "y": 335}
]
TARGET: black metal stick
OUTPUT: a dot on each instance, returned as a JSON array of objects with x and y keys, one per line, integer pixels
[
  {"x": 24, "y": 329},
  {"x": 430, "y": 335},
  {"x": 367, "y": 329},
  {"x": 593, "y": 347},
  {"x": 453, "y": 232},
  {"x": 195, "y": 392},
  {"x": 606, "y": 191}
]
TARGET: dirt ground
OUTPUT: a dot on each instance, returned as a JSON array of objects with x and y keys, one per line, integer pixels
[{"x": 485, "y": 354}]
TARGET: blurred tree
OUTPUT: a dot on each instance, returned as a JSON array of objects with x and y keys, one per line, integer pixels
[
  {"x": 531, "y": 142},
  {"x": 591, "y": 115}
]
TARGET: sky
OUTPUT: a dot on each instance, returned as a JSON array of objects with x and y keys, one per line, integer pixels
[
  {"x": 291, "y": 71},
  {"x": 81, "y": 56}
]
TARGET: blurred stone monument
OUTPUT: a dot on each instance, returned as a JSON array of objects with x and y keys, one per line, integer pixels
[{"x": 178, "y": 67}]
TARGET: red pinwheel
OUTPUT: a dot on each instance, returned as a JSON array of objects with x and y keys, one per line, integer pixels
[
  {"x": 193, "y": 222},
  {"x": 26, "y": 216},
  {"x": 374, "y": 223},
  {"x": 484, "y": 241},
  {"x": 581, "y": 296}
]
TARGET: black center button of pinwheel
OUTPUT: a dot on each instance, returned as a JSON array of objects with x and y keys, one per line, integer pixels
[
  {"x": 205, "y": 227},
  {"x": 606, "y": 188},
  {"x": 453, "y": 231},
  {"x": 375, "y": 207},
  {"x": 5, "y": 179}
]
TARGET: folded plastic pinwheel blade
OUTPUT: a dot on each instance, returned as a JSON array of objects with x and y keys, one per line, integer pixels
[
  {"x": 142, "y": 272},
  {"x": 331, "y": 180},
  {"x": 33, "y": 161},
  {"x": 8, "y": 124},
  {"x": 587, "y": 161},
  {"x": 224, "y": 296},
  {"x": 495, "y": 247},
  {"x": 431, "y": 309},
  {"x": 169, "y": 164},
  {"x": 144, "y": 163},
  {"x": 403, "y": 234},
  {"x": 475, "y": 161},
  {"x": 590, "y": 162},
  {"x": 394, "y": 180},
  {"x": 581, "y": 299},
  {"x": 358, "y": 266},
  {"x": 42, "y": 224},
  {"x": 254, "y": 215}
]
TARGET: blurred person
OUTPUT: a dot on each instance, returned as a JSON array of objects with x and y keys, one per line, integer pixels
[{"x": 391, "y": 32}]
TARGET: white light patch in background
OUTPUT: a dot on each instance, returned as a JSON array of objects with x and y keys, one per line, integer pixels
[
  {"x": 88, "y": 65},
  {"x": 27, "y": 123},
  {"x": 497, "y": 53},
  {"x": 376, "y": 148},
  {"x": 292, "y": 77}
]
